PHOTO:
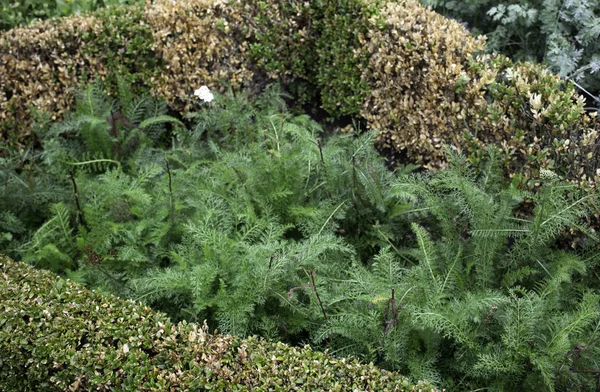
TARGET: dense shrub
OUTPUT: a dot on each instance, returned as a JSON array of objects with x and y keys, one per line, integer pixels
[
  {"x": 317, "y": 43},
  {"x": 426, "y": 93},
  {"x": 430, "y": 92},
  {"x": 415, "y": 65},
  {"x": 43, "y": 63},
  {"x": 19, "y": 13},
  {"x": 259, "y": 223},
  {"x": 181, "y": 45},
  {"x": 56, "y": 335},
  {"x": 563, "y": 34},
  {"x": 201, "y": 42}
]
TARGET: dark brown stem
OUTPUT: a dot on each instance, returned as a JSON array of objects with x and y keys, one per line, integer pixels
[
  {"x": 170, "y": 181},
  {"x": 114, "y": 132},
  {"x": 390, "y": 316},
  {"x": 237, "y": 172},
  {"x": 354, "y": 173},
  {"x": 271, "y": 261},
  {"x": 321, "y": 154},
  {"x": 576, "y": 352},
  {"x": 80, "y": 217},
  {"x": 314, "y": 287},
  {"x": 354, "y": 182},
  {"x": 323, "y": 163}
]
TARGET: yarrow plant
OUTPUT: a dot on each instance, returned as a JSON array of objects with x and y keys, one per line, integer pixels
[{"x": 204, "y": 94}]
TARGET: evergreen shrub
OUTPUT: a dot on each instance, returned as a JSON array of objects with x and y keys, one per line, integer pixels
[
  {"x": 43, "y": 64},
  {"x": 316, "y": 43},
  {"x": 432, "y": 90},
  {"x": 563, "y": 34},
  {"x": 430, "y": 87},
  {"x": 259, "y": 223},
  {"x": 19, "y": 13},
  {"x": 57, "y": 335}
]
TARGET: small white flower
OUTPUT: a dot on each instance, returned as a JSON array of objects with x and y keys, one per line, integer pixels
[{"x": 204, "y": 94}]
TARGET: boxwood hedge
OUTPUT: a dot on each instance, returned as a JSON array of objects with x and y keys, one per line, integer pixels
[
  {"x": 56, "y": 335},
  {"x": 408, "y": 72}
]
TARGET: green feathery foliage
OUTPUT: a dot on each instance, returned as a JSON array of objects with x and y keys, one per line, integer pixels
[
  {"x": 250, "y": 182},
  {"x": 103, "y": 132},
  {"x": 259, "y": 222},
  {"x": 264, "y": 214},
  {"x": 480, "y": 295},
  {"x": 26, "y": 194}
]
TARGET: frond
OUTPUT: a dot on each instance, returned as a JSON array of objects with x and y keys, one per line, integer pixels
[
  {"x": 9, "y": 222},
  {"x": 92, "y": 101},
  {"x": 428, "y": 253},
  {"x": 235, "y": 317},
  {"x": 496, "y": 363},
  {"x": 136, "y": 111},
  {"x": 461, "y": 319},
  {"x": 159, "y": 285},
  {"x": 386, "y": 266},
  {"x": 444, "y": 324},
  {"x": 568, "y": 327},
  {"x": 149, "y": 122},
  {"x": 124, "y": 92},
  {"x": 93, "y": 163},
  {"x": 522, "y": 320},
  {"x": 55, "y": 229}
]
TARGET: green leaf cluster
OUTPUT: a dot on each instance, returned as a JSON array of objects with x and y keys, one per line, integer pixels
[
  {"x": 318, "y": 43},
  {"x": 19, "y": 13},
  {"x": 56, "y": 335},
  {"x": 261, "y": 223},
  {"x": 563, "y": 34}
]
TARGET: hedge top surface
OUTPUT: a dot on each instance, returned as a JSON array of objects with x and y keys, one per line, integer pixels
[
  {"x": 413, "y": 75},
  {"x": 55, "y": 334},
  {"x": 431, "y": 87}
]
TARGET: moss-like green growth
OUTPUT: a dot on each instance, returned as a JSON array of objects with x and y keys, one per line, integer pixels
[
  {"x": 125, "y": 41},
  {"x": 317, "y": 42},
  {"x": 55, "y": 335}
]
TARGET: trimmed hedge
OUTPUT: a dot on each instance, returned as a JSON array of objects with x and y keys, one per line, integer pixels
[
  {"x": 430, "y": 87},
  {"x": 412, "y": 74},
  {"x": 56, "y": 335},
  {"x": 40, "y": 65}
]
